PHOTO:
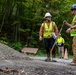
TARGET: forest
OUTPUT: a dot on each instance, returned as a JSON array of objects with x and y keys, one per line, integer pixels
[{"x": 20, "y": 21}]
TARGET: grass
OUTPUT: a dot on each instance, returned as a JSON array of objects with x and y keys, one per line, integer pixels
[
  {"x": 44, "y": 55},
  {"x": 70, "y": 57}
]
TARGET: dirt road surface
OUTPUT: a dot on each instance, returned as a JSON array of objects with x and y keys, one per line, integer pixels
[
  {"x": 38, "y": 67},
  {"x": 15, "y": 63}
]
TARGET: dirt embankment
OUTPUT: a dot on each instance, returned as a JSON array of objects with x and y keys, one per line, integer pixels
[{"x": 15, "y": 63}]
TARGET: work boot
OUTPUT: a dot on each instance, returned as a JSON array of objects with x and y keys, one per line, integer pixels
[
  {"x": 53, "y": 59},
  {"x": 48, "y": 58},
  {"x": 73, "y": 64}
]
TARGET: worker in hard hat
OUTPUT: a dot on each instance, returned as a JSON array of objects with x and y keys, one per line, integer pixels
[
  {"x": 60, "y": 44},
  {"x": 47, "y": 29},
  {"x": 72, "y": 31}
]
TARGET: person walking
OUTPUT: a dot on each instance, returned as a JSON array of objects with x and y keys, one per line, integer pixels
[
  {"x": 60, "y": 44},
  {"x": 47, "y": 28},
  {"x": 72, "y": 31}
]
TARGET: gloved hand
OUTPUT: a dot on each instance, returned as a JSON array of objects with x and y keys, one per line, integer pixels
[{"x": 40, "y": 38}]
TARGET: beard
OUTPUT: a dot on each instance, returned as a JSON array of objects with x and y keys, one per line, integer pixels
[
  {"x": 48, "y": 20},
  {"x": 72, "y": 13}
]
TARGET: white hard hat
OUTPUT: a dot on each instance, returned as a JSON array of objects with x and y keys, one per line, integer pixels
[{"x": 47, "y": 14}]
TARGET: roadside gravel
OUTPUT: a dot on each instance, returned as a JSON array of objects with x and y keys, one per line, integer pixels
[
  {"x": 7, "y": 53},
  {"x": 13, "y": 62}
]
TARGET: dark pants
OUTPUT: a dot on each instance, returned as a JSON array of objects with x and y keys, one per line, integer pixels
[{"x": 48, "y": 44}]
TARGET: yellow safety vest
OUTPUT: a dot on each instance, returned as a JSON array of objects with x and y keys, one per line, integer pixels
[
  {"x": 60, "y": 40},
  {"x": 48, "y": 30},
  {"x": 73, "y": 31}
]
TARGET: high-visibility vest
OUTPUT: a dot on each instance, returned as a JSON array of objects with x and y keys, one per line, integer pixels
[
  {"x": 60, "y": 40},
  {"x": 73, "y": 31},
  {"x": 48, "y": 31}
]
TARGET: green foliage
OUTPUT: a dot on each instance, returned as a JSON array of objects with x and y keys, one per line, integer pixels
[
  {"x": 21, "y": 20},
  {"x": 24, "y": 30},
  {"x": 16, "y": 23},
  {"x": 39, "y": 53},
  {"x": 4, "y": 40},
  {"x": 17, "y": 45}
]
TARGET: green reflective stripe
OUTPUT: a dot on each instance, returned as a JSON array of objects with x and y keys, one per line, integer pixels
[
  {"x": 73, "y": 32},
  {"x": 47, "y": 34}
]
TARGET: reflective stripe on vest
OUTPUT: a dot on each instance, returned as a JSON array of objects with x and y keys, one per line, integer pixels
[
  {"x": 48, "y": 30},
  {"x": 73, "y": 31}
]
